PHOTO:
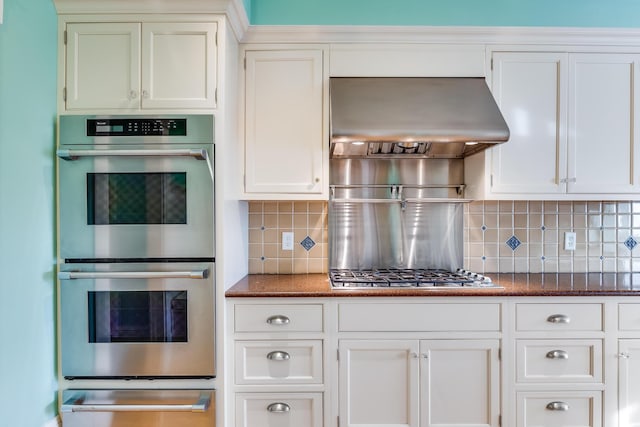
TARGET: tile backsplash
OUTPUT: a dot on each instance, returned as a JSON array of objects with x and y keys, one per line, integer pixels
[{"x": 499, "y": 236}]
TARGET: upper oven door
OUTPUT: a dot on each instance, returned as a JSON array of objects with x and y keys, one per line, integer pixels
[{"x": 139, "y": 201}]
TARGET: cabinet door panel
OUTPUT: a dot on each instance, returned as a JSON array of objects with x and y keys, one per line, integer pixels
[
  {"x": 103, "y": 66},
  {"x": 285, "y": 144},
  {"x": 379, "y": 383},
  {"x": 528, "y": 87},
  {"x": 602, "y": 123},
  {"x": 460, "y": 383},
  {"x": 629, "y": 394},
  {"x": 179, "y": 65}
]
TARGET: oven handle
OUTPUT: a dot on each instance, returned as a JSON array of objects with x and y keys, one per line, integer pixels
[
  {"x": 200, "y": 406},
  {"x": 66, "y": 154},
  {"x": 71, "y": 275}
]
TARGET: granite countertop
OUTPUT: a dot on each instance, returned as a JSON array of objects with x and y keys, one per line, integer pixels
[{"x": 514, "y": 284}]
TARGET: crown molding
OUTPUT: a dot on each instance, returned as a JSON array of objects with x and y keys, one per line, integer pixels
[
  {"x": 451, "y": 35},
  {"x": 233, "y": 9}
]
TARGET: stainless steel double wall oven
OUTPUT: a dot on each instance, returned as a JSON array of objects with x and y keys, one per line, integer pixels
[{"x": 136, "y": 200}]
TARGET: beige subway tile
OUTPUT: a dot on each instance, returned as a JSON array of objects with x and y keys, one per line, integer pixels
[
  {"x": 520, "y": 206},
  {"x": 550, "y": 221},
  {"x": 594, "y": 250},
  {"x": 316, "y": 220},
  {"x": 635, "y": 207},
  {"x": 594, "y": 221},
  {"x": 505, "y": 265},
  {"x": 270, "y": 220},
  {"x": 550, "y": 265},
  {"x": 255, "y": 207},
  {"x": 520, "y": 265},
  {"x": 285, "y": 266},
  {"x": 535, "y": 220},
  {"x": 624, "y": 221},
  {"x": 317, "y": 207},
  {"x": 623, "y": 207},
  {"x": 580, "y": 265},
  {"x": 505, "y": 221},
  {"x": 285, "y": 207},
  {"x": 299, "y": 251},
  {"x": 622, "y": 234},
  {"x": 476, "y": 250},
  {"x": 300, "y": 266},
  {"x": 579, "y": 221},
  {"x": 564, "y": 221},
  {"x": 624, "y": 265},
  {"x": 317, "y": 251},
  {"x": 255, "y": 266},
  {"x": 491, "y": 265},
  {"x": 609, "y": 265},
  {"x": 522, "y": 234},
  {"x": 535, "y": 235},
  {"x": 550, "y": 206},
  {"x": 270, "y": 266},
  {"x": 491, "y": 250},
  {"x": 505, "y": 206},
  {"x": 609, "y": 207},
  {"x": 594, "y": 265},
  {"x": 579, "y": 207},
  {"x": 609, "y": 235},
  {"x": 256, "y": 250},
  {"x": 255, "y": 220},
  {"x": 315, "y": 265},
  {"x": 565, "y": 265},
  {"x": 255, "y": 235},
  {"x": 635, "y": 221},
  {"x": 635, "y": 265},
  {"x": 535, "y": 250},
  {"x": 550, "y": 251},
  {"x": 491, "y": 235},
  {"x": 285, "y": 254},
  {"x": 550, "y": 236},
  {"x": 475, "y": 221},
  {"x": 610, "y": 249},
  {"x": 316, "y": 234},
  {"x": 594, "y": 207},
  {"x": 609, "y": 221},
  {"x": 581, "y": 250},
  {"x": 505, "y": 251},
  {"x": 300, "y": 221},
  {"x": 300, "y": 207},
  {"x": 491, "y": 220},
  {"x": 535, "y": 206},
  {"x": 474, "y": 235},
  {"x": 520, "y": 221},
  {"x": 271, "y": 250},
  {"x": 478, "y": 207},
  {"x": 504, "y": 234},
  {"x": 270, "y": 207},
  {"x": 536, "y": 265},
  {"x": 285, "y": 222},
  {"x": 565, "y": 207},
  {"x": 490, "y": 206},
  {"x": 272, "y": 236},
  {"x": 476, "y": 265}
]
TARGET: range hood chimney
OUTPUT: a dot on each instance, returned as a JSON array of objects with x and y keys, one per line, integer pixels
[{"x": 424, "y": 117}]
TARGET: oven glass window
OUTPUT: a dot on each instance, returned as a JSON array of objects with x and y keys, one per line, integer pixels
[
  {"x": 137, "y": 316},
  {"x": 137, "y": 198}
]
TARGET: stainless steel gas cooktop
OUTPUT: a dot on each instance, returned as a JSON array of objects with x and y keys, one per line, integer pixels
[{"x": 409, "y": 278}]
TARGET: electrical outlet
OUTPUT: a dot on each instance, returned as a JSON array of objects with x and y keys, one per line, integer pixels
[
  {"x": 569, "y": 241},
  {"x": 287, "y": 240}
]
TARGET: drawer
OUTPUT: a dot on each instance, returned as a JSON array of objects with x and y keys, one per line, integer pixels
[
  {"x": 574, "y": 361},
  {"x": 559, "y": 409},
  {"x": 559, "y": 317},
  {"x": 382, "y": 317},
  {"x": 278, "y": 318},
  {"x": 629, "y": 317},
  {"x": 279, "y": 362},
  {"x": 278, "y": 409}
]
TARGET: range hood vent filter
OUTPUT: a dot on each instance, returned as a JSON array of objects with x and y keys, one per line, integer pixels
[{"x": 438, "y": 117}]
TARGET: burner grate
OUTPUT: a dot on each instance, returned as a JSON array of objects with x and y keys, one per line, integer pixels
[{"x": 416, "y": 278}]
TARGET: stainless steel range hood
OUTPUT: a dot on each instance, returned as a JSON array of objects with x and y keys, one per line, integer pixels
[{"x": 426, "y": 117}]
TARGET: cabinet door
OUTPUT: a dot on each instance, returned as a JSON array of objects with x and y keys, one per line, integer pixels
[
  {"x": 284, "y": 133},
  {"x": 629, "y": 393},
  {"x": 378, "y": 383},
  {"x": 603, "y": 123},
  {"x": 103, "y": 66},
  {"x": 178, "y": 65},
  {"x": 530, "y": 90},
  {"x": 460, "y": 383}
]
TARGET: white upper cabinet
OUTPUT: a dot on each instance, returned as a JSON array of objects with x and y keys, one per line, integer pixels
[
  {"x": 573, "y": 122},
  {"x": 527, "y": 87},
  {"x": 286, "y": 142},
  {"x": 133, "y": 66},
  {"x": 604, "y": 156}
]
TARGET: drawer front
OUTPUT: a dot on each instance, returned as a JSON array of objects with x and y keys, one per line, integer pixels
[
  {"x": 278, "y": 409},
  {"x": 279, "y": 362},
  {"x": 562, "y": 409},
  {"x": 629, "y": 317},
  {"x": 278, "y": 318},
  {"x": 542, "y": 361},
  {"x": 381, "y": 317},
  {"x": 559, "y": 317}
]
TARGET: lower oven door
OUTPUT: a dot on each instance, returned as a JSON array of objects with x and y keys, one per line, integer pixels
[
  {"x": 139, "y": 408},
  {"x": 137, "y": 320}
]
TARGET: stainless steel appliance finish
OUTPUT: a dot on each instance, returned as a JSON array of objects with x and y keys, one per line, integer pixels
[
  {"x": 136, "y": 187},
  {"x": 409, "y": 278},
  {"x": 139, "y": 408},
  {"x": 413, "y": 117},
  {"x": 137, "y": 320}
]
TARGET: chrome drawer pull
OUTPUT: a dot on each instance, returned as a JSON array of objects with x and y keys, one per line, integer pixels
[
  {"x": 278, "y": 408},
  {"x": 278, "y": 319},
  {"x": 557, "y": 354},
  {"x": 558, "y": 318},
  {"x": 278, "y": 355},
  {"x": 557, "y": 406}
]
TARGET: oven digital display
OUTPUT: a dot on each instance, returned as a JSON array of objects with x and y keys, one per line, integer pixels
[{"x": 136, "y": 127}]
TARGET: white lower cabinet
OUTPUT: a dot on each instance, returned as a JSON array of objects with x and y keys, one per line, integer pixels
[
  {"x": 559, "y": 409},
  {"x": 279, "y": 410}
]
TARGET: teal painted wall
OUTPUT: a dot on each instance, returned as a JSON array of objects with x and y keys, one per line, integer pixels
[
  {"x": 27, "y": 255},
  {"x": 570, "y": 13}
]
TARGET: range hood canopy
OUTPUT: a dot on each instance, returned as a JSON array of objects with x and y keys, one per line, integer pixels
[{"x": 437, "y": 117}]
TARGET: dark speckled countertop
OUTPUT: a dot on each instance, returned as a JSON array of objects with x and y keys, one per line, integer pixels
[{"x": 514, "y": 284}]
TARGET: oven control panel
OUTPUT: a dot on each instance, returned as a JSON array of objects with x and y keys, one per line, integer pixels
[{"x": 135, "y": 126}]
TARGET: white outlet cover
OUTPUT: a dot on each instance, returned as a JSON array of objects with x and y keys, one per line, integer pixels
[{"x": 287, "y": 240}]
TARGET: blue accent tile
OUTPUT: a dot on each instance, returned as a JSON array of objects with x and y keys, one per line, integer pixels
[
  {"x": 513, "y": 243},
  {"x": 543, "y": 258},
  {"x": 543, "y": 228},
  {"x": 261, "y": 258},
  {"x": 601, "y": 257},
  {"x": 484, "y": 258},
  {"x": 308, "y": 243},
  {"x": 483, "y": 228},
  {"x": 631, "y": 243}
]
